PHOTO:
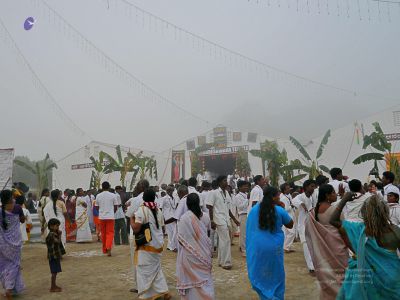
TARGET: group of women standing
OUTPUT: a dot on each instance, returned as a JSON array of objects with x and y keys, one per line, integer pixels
[{"x": 352, "y": 260}]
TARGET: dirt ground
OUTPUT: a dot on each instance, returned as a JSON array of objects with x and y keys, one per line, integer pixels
[{"x": 87, "y": 274}]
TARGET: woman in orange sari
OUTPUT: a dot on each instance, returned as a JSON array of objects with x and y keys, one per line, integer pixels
[{"x": 70, "y": 224}]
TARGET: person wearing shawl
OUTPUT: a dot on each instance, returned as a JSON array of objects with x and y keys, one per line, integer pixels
[
  {"x": 10, "y": 246},
  {"x": 264, "y": 246},
  {"x": 328, "y": 251},
  {"x": 374, "y": 269},
  {"x": 194, "y": 263},
  {"x": 83, "y": 233},
  {"x": 151, "y": 283}
]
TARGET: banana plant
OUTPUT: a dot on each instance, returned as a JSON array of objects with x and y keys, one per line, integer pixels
[
  {"x": 123, "y": 165},
  {"x": 381, "y": 150},
  {"x": 277, "y": 163},
  {"x": 40, "y": 169},
  {"x": 311, "y": 166},
  {"x": 99, "y": 170}
]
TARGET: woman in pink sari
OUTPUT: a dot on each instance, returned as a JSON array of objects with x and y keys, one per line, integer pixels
[
  {"x": 328, "y": 251},
  {"x": 194, "y": 263}
]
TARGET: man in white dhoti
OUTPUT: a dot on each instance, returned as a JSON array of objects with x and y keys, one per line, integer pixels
[
  {"x": 220, "y": 215},
  {"x": 133, "y": 205},
  {"x": 290, "y": 233},
  {"x": 150, "y": 278},
  {"x": 169, "y": 206},
  {"x": 242, "y": 203},
  {"x": 83, "y": 233},
  {"x": 303, "y": 202}
]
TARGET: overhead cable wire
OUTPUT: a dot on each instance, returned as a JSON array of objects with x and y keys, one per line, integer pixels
[
  {"x": 38, "y": 83},
  {"x": 107, "y": 62},
  {"x": 217, "y": 50}
]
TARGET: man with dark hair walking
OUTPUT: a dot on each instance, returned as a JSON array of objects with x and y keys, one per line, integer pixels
[{"x": 107, "y": 204}]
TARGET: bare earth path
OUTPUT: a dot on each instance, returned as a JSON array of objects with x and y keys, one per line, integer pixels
[{"x": 87, "y": 274}]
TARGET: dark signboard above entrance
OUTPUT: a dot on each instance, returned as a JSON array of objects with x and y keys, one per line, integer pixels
[{"x": 220, "y": 137}]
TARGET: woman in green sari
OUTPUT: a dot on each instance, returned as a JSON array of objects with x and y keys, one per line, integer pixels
[{"x": 374, "y": 268}]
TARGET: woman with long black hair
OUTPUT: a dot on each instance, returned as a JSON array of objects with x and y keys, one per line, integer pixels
[
  {"x": 194, "y": 262},
  {"x": 328, "y": 252},
  {"x": 56, "y": 209},
  {"x": 10, "y": 246},
  {"x": 264, "y": 245}
]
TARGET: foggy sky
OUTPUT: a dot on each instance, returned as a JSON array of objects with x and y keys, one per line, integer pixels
[{"x": 347, "y": 52}]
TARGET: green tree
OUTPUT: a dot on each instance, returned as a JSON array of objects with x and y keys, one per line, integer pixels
[
  {"x": 381, "y": 150},
  {"x": 277, "y": 163},
  {"x": 41, "y": 169},
  {"x": 242, "y": 163},
  {"x": 311, "y": 166}
]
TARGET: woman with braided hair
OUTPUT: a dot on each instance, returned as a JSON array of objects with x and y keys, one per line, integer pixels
[
  {"x": 56, "y": 209},
  {"x": 264, "y": 245},
  {"x": 374, "y": 269},
  {"x": 329, "y": 253},
  {"x": 10, "y": 246}
]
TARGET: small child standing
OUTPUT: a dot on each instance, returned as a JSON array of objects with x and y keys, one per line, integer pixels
[{"x": 55, "y": 250}]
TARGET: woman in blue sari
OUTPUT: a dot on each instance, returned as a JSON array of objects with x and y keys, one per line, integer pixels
[
  {"x": 10, "y": 245},
  {"x": 264, "y": 246},
  {"x": 374, "y": 269}
]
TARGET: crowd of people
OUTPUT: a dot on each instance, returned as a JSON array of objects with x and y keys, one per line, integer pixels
[{"x": 350, "y": 232}]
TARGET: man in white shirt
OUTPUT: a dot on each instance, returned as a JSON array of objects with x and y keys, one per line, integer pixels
[
  {"x": 303, "y": 203},
  {"x": 217, "y": 205},
  {"x": 107, "y": 204},
  {"x": 257, "y": 193},
  {"x": 387, "y": 181},
  {"x": 169, "y": 206},
  {"x": 290, "y": 233},
  {"x": 351, "y": 211},
  {"x": 393, "y": 195},
  {"x": 242, "y": 203},
  {"x": 337, "y": 182}
]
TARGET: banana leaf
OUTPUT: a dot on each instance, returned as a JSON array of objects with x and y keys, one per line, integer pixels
[
  {"x": 323, "y": 143},
  {"x": 300, "y": 147},
  {"x": 367, "y": 157},
  {"x": 324, "y": 168}
]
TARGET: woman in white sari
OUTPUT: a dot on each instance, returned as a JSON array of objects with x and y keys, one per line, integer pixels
[
  {"x": 56, "y": 210},
  {"x": 194, "y": 261},
  {"x": 151, "y": 283},
  {"x": 83, "y": 233}
]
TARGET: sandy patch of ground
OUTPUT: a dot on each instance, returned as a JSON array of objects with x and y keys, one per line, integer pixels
[{"x": 87, "y": 274}]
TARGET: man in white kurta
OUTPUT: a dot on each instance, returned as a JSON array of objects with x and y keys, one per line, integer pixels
[
  {"x": 242, "y": 203},
  {"x": 169, "y": 206},
  {"x": 290, "y": 233},
  {"x": 337, "y": 182},
  {"x": 303, "y": 203},
  {"x": 220, "y": 215},
  {"x": 256, "y": 194}
]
